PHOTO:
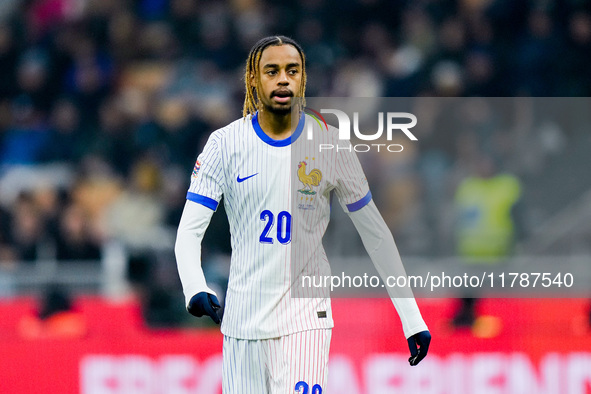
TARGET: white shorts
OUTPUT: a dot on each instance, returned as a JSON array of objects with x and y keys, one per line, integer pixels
[{"x": 277, "y": 365}]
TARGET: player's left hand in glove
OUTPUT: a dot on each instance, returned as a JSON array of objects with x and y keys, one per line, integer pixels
[
  {"x": 419, "y": 346},
  {"x": 204, "y": 304}
]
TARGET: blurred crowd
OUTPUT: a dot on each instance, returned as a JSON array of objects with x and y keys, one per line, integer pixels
[{"x": 106, "y": 103}]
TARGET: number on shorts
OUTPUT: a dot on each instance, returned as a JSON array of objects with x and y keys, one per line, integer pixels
[{"x": 316, "y": 389}]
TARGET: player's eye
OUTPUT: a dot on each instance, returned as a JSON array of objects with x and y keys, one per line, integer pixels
[
  {"x": 271, "y": 72},
  {"x": 293, "y": 71}
]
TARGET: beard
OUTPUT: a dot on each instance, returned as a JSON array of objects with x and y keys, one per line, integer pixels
[{"x": 278, "y": 109}]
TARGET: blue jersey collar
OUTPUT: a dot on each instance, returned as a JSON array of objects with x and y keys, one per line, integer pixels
[{"x": 287, "y": 141}]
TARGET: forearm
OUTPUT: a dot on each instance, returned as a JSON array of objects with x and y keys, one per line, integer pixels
[
  {"x": 379, "y": 243},
  {"x": 194, "y": 222}
]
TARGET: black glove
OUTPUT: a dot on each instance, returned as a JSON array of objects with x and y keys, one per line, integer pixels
[
  {"x": 417, "y": 353},
  {"x": 204, "y": 304}
]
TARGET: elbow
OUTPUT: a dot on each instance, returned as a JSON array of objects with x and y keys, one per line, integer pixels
[
  {"x": 179, "y": 242},
  {"x": 186, "y": 240}
]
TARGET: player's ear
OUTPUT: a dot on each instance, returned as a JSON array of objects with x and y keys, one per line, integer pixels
[{"x": 252, "y": 80}]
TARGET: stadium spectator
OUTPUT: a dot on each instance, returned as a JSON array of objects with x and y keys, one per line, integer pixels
[
  {"x": 8, "y": 61},
  {"x": 74, "y": 240},
  {"x": 56, "y": 318},
  {"x": 66, "y": 137},
  {"x": 26, "y": 138},
  {"x": 27, "y": 229},
  {"x": 488, "y": 222}
]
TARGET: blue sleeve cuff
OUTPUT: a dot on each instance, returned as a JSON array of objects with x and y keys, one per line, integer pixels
[
  {"x": 356, "y": 206},
  {"x": 205, "y": 201}
]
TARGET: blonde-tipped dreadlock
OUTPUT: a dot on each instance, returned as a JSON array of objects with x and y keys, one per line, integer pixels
[{"x": 251, "y": 101}]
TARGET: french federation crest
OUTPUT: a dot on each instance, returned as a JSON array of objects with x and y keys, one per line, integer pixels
[{"x": 309, "y": 179}]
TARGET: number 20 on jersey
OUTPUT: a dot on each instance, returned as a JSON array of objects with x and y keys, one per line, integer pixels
[{"x": 282, "y": 232}]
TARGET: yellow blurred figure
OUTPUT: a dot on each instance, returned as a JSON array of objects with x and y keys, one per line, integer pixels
[{"x": 486, "y": 228}]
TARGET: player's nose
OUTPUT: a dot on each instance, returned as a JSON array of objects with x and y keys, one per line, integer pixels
[{"x": 283, "y": 80}]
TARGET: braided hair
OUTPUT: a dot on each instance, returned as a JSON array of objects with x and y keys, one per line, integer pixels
[{"x": 251, "y": 100}]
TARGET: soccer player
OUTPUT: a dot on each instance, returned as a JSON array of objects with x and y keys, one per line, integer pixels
[{"x": 275, "y": 342}]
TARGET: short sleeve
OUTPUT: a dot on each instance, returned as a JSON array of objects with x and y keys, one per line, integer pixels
[
  {"x": 207, "y": 179},
  {"x": 351, "y": 188}
]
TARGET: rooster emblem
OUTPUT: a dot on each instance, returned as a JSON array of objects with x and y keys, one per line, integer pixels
[{"x": 309, "y": 180}]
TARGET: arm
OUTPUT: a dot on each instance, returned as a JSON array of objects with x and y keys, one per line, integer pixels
[
  {"x": 354, "y": 195},
  {"x": 199, "y": 298},
  {"x": 382, "y": 250}
]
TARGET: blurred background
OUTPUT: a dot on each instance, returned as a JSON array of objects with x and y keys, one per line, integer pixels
[{"x": 105, "y": 105}]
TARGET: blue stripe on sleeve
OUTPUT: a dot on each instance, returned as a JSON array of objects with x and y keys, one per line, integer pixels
[
  {"x": 356, "y": 206},
  {"x": 205, "y": 201}
]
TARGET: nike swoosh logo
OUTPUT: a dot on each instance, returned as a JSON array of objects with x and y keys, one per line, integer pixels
[{"x": 245, "y": 178}]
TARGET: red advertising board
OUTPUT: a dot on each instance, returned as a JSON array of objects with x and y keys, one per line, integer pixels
[{"x": 524, "y": 346}]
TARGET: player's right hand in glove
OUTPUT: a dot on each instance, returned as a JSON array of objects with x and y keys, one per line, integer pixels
[
  {"x": 204, "y": 304},
  {"x": 419, "y": 346}
]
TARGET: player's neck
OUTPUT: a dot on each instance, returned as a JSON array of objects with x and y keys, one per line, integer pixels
[{"x": 276, "y": 126}]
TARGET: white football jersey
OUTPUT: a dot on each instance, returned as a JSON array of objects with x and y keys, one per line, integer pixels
[{"x": 277, "y": 198}]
